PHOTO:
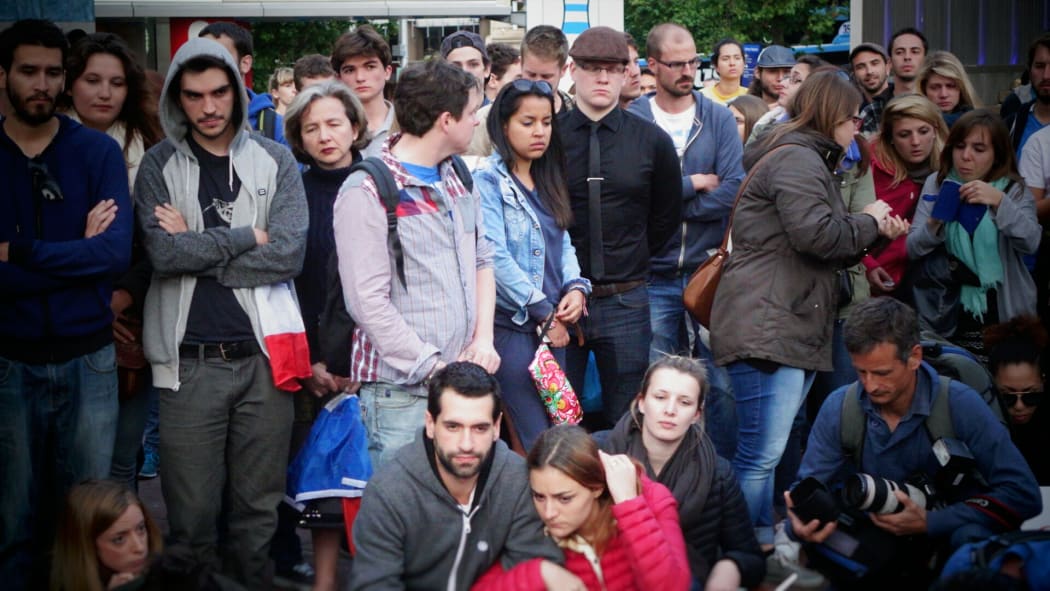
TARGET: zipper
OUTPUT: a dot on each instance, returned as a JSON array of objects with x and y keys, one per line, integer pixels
[{"x": 459, "y": 551}]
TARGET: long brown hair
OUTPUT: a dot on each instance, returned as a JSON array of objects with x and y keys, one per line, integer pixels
[
  {"x": 139, "y": 111},
  {"x": 909, "y": 106},
  {"x": 91, "y": 507},
  {"x": 1004, "y": 163},
  {"x": 570, "y": 450}
]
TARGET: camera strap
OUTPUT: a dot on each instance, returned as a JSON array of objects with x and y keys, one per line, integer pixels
[{"x": 854, "y": 426}]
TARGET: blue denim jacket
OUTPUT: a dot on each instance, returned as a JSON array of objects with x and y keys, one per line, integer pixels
[{"x": 513, "y": 228}]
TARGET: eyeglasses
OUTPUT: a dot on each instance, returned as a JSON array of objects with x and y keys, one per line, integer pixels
[
  {"x": 44, "y": 185},
  {"x": 598, "y": 67},
  {"x": 691, "y": 64},
  {"x": 527, "y": 86},
  {"x": 1029, "y": 398}
]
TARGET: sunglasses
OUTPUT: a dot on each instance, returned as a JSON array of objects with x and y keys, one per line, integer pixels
[
  {"x": 1029, "y": 398},
  {"x": 44, "y": 185},
  {"x": 537, "y": 86}
]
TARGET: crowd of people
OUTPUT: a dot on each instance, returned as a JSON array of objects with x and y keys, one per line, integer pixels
[{"x": 195, "y": 272}]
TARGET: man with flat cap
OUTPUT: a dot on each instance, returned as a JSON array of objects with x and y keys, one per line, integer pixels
[
  {"x": 625, "y": 187},
  {"x": 773, "y": 64}
]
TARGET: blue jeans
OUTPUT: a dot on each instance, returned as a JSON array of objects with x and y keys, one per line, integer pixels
[
  {"x": 768, "y": 398},
  {"x": 58, "y": 426},
  {"x": 668, "y": 317},
  {"x": 617, "y": 330},
  {"x": 521, "y": 400},
  {"x": 151, "y": 434},
  {"x": 393, "y": 416},
  {"x": 827, "y": 382},
  {"x": 130, "y": 424},
  {"x": 719, "y": 405}
]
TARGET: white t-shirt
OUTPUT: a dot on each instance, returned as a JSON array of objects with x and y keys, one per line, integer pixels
[
  {"x": 677, "y": 125},
  {"x": 1035, "y": 159}
]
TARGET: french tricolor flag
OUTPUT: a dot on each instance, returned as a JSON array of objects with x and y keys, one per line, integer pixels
[{"x": 283, "y": 334}]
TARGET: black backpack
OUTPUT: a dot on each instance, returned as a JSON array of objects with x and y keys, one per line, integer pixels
[
  {"x": 335, "y": 333},
  {"x": 267, "y": 123}
]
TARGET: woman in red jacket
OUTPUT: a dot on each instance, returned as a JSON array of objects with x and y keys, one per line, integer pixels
[
  {"x": 906, "y": 151},
  {"x": 618, "y": 529}
]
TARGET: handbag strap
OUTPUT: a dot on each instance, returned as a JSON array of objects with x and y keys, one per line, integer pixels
[{"x": 743, "y": 185}]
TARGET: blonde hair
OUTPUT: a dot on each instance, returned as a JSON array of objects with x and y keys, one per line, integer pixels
[
  {"x": 910, "y": 106},
  {"x": 944, "y": 63},
  {"x": 90, "y": 509},
  {"x": 279, "y": 77}
]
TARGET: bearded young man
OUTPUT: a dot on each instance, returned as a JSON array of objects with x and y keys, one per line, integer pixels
[{"x": 65, "y": 233}]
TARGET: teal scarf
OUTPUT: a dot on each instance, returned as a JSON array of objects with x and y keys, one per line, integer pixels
[{"x": 980, "y": 253}]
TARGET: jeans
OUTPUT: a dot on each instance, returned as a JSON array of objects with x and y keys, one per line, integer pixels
[
  {"x": 130, "y": 425},
  {"x": 58, "y": 425},
  {"x": 224, "y": 439},
  {"x": 151, "y": 433},
  {"x": 768, "y": 398},
  {"x": 521, "y": 400},
  {"x": 617, "y": 330},
  {"x": 393, "y": 416},
  {"x": 827, "y": 382},
  {"x": 670, "y": 322},
  {"x": 719, "y": 405}
]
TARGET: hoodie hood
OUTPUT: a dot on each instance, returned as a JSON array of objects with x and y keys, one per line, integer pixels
[{"x": 172, "y": 118}]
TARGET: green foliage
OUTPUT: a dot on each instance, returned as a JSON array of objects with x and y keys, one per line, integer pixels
[
  {"x": 785, "y": 22},
  {"x": 280, "y": 43}
]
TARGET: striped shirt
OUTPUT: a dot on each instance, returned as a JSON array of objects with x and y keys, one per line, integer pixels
[{"x": 403, "y": 330}]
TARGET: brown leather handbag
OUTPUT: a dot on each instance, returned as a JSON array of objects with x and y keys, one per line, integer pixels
[{"x": 699, "y": 294}]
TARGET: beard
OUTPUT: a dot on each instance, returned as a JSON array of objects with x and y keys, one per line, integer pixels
[
  {"x": 1042, "y": 95},
  {"x": 445, "y": 459},
  {"x": 677, "y": 91},
  {"x": 33, "y": 116}
]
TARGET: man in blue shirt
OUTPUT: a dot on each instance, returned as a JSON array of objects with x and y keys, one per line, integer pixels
[
  {"x": 65, "y": 234},
  {"x": 897, "y": 393}
]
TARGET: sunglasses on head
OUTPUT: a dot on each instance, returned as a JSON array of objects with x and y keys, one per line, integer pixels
[
  {"x": 44, "y": 185},
  {"x": 537, "y": 86},
  {"x": 1029, "y": 398}
]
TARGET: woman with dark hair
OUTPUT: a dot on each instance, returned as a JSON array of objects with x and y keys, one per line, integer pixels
[
  {"x": 105, "y": 540},
  {"x": 944, "y": 81},
  {"x": 326, "y": 128},
  {"x": 774, "y": 311},
  {"x": 1015, "y": 358},
  {"x": 727, "y": 58},
  {"x": 107, "y": 90},
  {"x": 618, "y": 529},
  {"x": 977, "y": 213},
  {"x": 527, "y": 215},
  {"x": 747, "y": 110},
  {"x": 664, "y": 431}
]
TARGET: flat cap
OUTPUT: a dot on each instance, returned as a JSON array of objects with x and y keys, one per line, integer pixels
[
  {"x": 776, "y": 56},
  {"x": 463, "y": 39},
  {"x": 600, "y": 44}
]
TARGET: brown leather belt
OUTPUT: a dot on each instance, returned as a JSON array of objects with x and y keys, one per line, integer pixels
[{"x": 605, "y": 290}]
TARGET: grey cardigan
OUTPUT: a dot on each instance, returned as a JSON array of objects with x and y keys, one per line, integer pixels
[{"x": 1019, "y": 234}]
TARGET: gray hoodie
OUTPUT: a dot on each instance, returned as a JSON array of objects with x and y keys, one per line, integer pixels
[
  {"x": 411, "y": 534},
  {"x": 271, "y": 198}
]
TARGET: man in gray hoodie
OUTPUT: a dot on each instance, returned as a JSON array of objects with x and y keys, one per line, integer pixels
[
  {"x": 223, "y": 217},
  {"x": 455, "y": 501}
]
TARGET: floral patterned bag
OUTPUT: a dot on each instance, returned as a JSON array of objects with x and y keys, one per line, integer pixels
[{"x": 554, "y": 388}]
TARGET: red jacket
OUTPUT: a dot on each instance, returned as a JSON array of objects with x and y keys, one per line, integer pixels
[
  {"x": 647, "y": 552},
  {"x": 902, "y": 199}
]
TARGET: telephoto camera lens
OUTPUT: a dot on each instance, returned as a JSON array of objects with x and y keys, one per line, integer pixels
[{"x": 868, "y": 493}]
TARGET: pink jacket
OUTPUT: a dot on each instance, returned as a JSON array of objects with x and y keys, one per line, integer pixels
[{"x": 648, "y": 552}]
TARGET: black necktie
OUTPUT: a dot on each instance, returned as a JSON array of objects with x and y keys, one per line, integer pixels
[{"x": 594, "y": 205}]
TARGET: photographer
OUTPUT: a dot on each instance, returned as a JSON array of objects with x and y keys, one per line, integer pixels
[{"x": 976, "y": 482}]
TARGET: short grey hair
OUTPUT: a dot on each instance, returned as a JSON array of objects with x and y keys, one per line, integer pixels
[{"x": 293, "y": 117}]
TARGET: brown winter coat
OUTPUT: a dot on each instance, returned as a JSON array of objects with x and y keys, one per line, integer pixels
[{"x": 791, "y": 232}]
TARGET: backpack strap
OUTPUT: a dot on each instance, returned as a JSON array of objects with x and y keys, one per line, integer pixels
[
  {"x": 939, "y": 423},
  {"x": 391, "y": 196},
  {"x": 463, "y": 172},
  {"x": 267, "y": 123},
  {"x": 853, "y": 425}
]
